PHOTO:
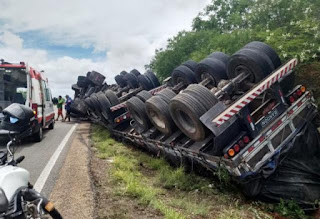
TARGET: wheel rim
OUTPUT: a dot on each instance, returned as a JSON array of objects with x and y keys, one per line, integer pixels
[
  {"x": 243, "y": 69},
  {"x": 185, "y": 121},
  {"x": 156, "y": 118}
]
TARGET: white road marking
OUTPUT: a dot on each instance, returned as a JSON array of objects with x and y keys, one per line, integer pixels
[{"x": 38, "y": 186}]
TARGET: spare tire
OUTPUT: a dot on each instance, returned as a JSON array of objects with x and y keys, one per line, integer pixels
[
  {"x": 153, "y": 78},
  {"x": 144, "y": 95},
  {"x": 190, "y": 64},
  {"x": 132, "y": 80},
  {"x": 256, "y": 64},
  {"x": 186, "y": 111},
  {"x": 212, "y": 68},
  {"x": 183, "y": 74},
  {"x": 269, "y": 51},
  {"x": 135, "y": 72},
  {"x": 158, "y": 112},
  {"x": 220, "y": 56},
  {"x": 145, "y": 82},
  {"x": 202, "y": 94},
  {"x": 112, "y": 97},
  {"x": 120, "y": 80},
  {"x": 138, "y": 113}
]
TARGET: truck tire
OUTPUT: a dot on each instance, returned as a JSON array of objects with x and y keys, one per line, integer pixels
[
  {"x": 145, "y": 82},
  {"x": 90, "y": 91},
  {"x": 112, "y": 97},
  {"x": 202, "y": 94},
  {"x": 158, "y": 112},
  {"x": 220, "y": 56},
  {"x": 123, "y": 73},
  {"x": 167, "y": 94},
  {"x": 104, "y": 105},
  {"x": 153, "y": 78},
  {"x": 75, "y": 87},
  {"x": 269, "y": 51},
  {"x": 120, "y": 80},
  {"x": 190, "y": 64},
  {"x": 144, "y": 95},
  {"x": 255, "y": 63},
  {"x": 135, "y": 72},
  {"x": 213, "y": 68},
  {"x": 185, "y": 110},
  {"x": 131, "y": 80},
  {"x": 183, "y": 74},
  {"x": 138, "y": 112}
]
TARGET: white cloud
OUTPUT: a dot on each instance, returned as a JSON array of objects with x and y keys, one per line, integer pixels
[{"x": 127, "y": 31}]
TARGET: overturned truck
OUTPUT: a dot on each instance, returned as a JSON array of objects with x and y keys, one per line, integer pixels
[{"x": 242, "y": 113}]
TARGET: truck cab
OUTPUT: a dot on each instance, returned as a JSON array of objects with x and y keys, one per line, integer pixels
[{"x": 22, "y": 84}]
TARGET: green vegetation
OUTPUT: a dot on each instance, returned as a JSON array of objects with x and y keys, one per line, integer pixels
[
  {"x": 290, "y": 27},
  {"x": 152, "y": 182}
]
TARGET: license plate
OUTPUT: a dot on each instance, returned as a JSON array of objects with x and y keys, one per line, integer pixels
[{"x": 268, "y": 118}]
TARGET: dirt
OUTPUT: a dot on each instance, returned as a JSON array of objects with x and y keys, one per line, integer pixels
[
  {"x": 72, "y": 193},
  {"x": 110, "y": 205}
]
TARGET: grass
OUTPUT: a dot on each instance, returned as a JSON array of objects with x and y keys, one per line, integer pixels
[{"x": 171, "y": 191}]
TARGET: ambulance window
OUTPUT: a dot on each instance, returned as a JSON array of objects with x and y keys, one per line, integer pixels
[{"x": 47, "y": 92}]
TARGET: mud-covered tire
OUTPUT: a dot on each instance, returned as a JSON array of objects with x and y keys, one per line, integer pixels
[
  {"x": 213, "y": 68},
  {"x": 145, "y": 82},
  {"x": 131, "y": 80},
  {"x": 144, "y": 95},
  {"x": 220, "y": 56},
  {"x": 153, "y": 78},
  {"x": 112, "y": 97},
  {"x": 158, "y": 112},
  {"x": 183, "y": 74},
  {"x": 269, "y": 51},
  {"x": 250, "y": 60},
  {"x": 138, "y": 112},
  {"x": 202, "y": 94},
  {"x": 185, "y": 110},
  {"x": 135, "y": 72},
  {"x": 190, "y": 64},
  {"x": 167, "y": 94},
  {"x": 120, "y": 80}
]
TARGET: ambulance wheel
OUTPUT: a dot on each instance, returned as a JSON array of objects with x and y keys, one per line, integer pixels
[
  {"x": 38, "y": 135},
  {"x": 51, "y": 126}
]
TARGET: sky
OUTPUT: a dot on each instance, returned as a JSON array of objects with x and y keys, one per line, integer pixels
[{"x": 69, "y": 38}]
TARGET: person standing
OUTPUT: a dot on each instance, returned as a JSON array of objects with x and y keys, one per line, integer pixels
[
  {"x": 67, "y": 107},
  {"x": 59, "y": 106}
]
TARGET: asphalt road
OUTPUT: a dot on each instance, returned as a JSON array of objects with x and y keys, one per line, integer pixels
[{"x": 37, "y": 155}]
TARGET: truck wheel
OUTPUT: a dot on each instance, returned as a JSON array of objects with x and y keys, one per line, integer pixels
[
  {"x": 132, "y": 80},
  {"x": 167, "y": 94},
  {"x": 137, "y": 110},
  {"x": 38, "y": 135},
  {"x": 104, "y": 105},
  {"x": 123, "y": 73},
  {"x": 153, "y": 78},
  {"x": 145, "y": 82},
  {"x": 183, "y": 74},
  {"x": 212, "y": 68},
  {"x": 220, "y": 56},
  {"x": 202, "y": 94},
  {"x": 267, "y": 50},
  {"x": 158, "y": 112},
  {"x": 120, "y": 80},
  {"x": 51, "y": 126},
  {"x": 256, "y": 64},
  {"x": 135, "y": 72},
  {"x": 112, "y": 97},
  {"x": 144, "y": 95},
  {"x": 185, "y": 111},
  {"x": 190, "y": 64}
]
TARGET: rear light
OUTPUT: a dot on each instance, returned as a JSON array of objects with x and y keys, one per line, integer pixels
[
  {"x": 231, "y": 152},
  {"x": 299, "y": 92},
  {"x": 226, "y": 156},
  {"x": 35, "y": 109},
  {"x": 236, "y": 148},
  {"x": 291, "y": 99},
  {"x": 246, "y": 139},
  {"x": 241, "y": 143},
  {"x": 295, "y": 96},
  {"x": 303, "y": 89}
]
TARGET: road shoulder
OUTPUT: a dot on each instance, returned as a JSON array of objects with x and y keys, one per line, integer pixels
[{"x": 72, "y": 193}]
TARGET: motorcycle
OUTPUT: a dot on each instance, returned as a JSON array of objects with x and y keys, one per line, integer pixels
[{"x": 18, "y": 199}]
